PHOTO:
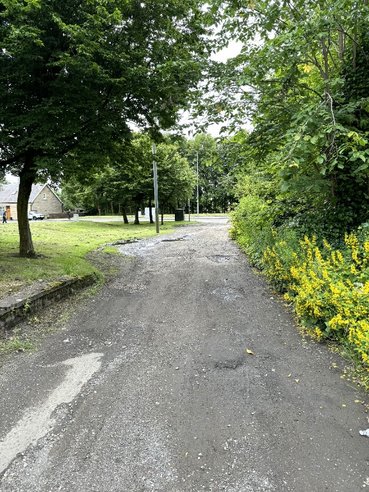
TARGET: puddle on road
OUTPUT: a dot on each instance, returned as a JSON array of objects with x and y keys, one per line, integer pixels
[{"x": 145, "y": 246}]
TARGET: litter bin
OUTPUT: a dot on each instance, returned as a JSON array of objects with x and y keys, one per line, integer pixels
[{"x": 179, "y": 214}]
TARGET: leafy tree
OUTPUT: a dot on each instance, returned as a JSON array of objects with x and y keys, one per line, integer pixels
[
  {"x": 216, "y": 172},
  {"x": 300, "y": 78},
  {"x": 127, "y": 180},
  {"x": 175, "y": 177},
  {"x": 74, "y": 75}
]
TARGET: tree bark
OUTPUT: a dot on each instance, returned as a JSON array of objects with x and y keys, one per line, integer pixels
[
  {"x": 150, "y": 212},
  {"x": 137, "y": 220},
  {"x": 27, "y": 177},
  {"x": 125, "y": 218},
  {"x": 341, "y": 44}
]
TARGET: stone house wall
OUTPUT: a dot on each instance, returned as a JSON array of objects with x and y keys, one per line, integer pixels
[{"x": 47, "y": 203}]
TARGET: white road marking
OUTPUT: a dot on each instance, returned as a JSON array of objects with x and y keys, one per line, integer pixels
[{"x": 37, "y": 421}]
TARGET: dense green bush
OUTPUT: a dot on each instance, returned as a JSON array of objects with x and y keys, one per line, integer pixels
[
  {"x": 251, "y": 228},
  {"x": 328, "y": 286}
]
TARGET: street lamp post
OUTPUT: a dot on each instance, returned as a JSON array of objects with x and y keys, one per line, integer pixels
[
  {"x": 156, "y": 191},
  {"x": 197, "y": 187}
]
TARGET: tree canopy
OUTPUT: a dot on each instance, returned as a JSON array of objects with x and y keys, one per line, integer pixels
[
  {"x": 216, "y": 171},
  {"x": 126, "y": 181},
  {"x": 300, "y": 81},
  {"x": 74, "y": 76}
]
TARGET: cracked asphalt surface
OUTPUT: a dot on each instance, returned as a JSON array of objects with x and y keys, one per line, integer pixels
[{"x": 149, "y": 386}]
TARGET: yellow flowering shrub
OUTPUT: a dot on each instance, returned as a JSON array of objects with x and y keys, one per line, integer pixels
[{"x": 329, "y": 287}]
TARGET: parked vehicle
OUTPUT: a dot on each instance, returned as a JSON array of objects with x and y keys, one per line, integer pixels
[{"x": 35, "y": 216}]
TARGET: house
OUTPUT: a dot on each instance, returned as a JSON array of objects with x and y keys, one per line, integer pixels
[{"x": 42, "y": 200}]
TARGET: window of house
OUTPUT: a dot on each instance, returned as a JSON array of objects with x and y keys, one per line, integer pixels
[{"x": 44, "y": 197}]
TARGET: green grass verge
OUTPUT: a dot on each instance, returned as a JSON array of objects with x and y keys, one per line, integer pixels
[
  {"x": 62, "y": 247},
  {"x": 15, "y": 344}
]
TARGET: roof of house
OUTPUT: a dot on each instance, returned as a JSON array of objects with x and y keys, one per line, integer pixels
[{"x": 9, "y": 192}]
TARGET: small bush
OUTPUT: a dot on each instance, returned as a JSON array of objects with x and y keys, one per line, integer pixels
[
  {"x": 252, "y": 227},
  {"x": 329, "y": 287}
]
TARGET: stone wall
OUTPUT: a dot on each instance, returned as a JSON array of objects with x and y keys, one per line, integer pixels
[
  {"x": 47, "y": 203},
  {"x": 19, "y": 306}
]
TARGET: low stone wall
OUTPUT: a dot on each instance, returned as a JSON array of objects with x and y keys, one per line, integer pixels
[{"x": 19, "y": 306}]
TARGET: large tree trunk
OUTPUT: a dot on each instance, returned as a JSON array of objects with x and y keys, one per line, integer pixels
[
  {"x": 137, "y": 220},
  {"x": 125, "y": 218},
  {"x": 150, "y": 212},
  {"x": 27, "y": 177}
]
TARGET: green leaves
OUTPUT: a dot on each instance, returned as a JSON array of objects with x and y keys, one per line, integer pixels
[
  {"x": 127, "y": 178},
  {"x": 301, "y": 84},
  {"x": 81, "y": 71},
  {"x": 76, "y": 76}
]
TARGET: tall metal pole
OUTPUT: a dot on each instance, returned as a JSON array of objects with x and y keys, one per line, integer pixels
[
  {"x": 156, "y": 191},
  {"x": 197, "y": 187}
]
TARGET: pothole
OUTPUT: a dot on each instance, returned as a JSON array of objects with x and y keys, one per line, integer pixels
[
  {"x": 173, "y": 239},
  {"x": 124, "y": 241},
  {"x": 230, "y": 363},
  {"x": 227, "y": 294},
  {"x": 219, "y": 258}
]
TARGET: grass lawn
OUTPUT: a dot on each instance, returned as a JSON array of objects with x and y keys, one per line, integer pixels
[{"x": 62, "y": 247}]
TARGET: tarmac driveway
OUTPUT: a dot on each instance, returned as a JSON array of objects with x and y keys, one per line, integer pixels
[{"x": 185, "y": 373}]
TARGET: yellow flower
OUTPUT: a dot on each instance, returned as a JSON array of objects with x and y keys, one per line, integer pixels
[
  {"x": 327, "y": 245},
  {"x": 325, "y": 274},
  {"x": 339, "y": 256},
  {"x": 334, "y": 289}
]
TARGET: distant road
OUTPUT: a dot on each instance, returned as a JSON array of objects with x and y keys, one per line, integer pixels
[{"x": 221, "y": 218}]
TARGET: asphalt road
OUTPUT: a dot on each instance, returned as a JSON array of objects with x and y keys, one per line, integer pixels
[{"x": 151, "y": 386}]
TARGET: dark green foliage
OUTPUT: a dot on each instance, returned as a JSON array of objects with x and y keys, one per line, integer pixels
[
  {"x": 217, "y": 165},
  {"x": 126, "y": 182},
  {"x": 74, "y": 75},
  {"x": 301, "y": 78}
]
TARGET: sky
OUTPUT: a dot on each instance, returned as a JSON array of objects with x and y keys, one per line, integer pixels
[{"x": 232, "y": 50}]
